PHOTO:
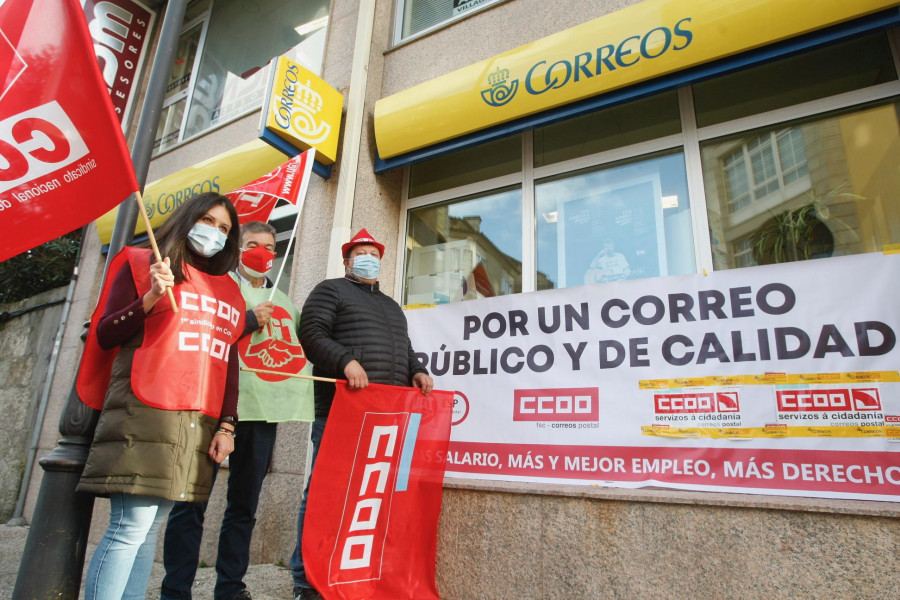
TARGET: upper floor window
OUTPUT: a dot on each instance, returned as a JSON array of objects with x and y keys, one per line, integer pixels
[
  {"x": 220, "y": 70},
  {"x": 417, "y": 16}
]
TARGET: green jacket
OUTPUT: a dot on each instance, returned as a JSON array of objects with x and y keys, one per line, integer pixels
[{"x": 138, "y": 449}]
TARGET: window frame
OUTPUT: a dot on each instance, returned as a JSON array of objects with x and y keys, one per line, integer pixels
[
  {"x": 688, "y": 140},
  {"x": 188, "y": 94},
  {"x": 397, "y": 38}
]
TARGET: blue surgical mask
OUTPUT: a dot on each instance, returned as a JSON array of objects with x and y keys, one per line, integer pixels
[
  {"x": 366, "y": 266},
  {"x": 206, "y": 240}
]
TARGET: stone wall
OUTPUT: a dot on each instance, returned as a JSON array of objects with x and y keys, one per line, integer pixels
[
  {"x": 593, "y": 543},
  {"x": 26, "y": 342}
]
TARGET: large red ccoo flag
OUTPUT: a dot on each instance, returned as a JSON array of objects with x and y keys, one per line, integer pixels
[
  {"x": 63, "y": 159},
  {"x": 375, "y": 497}
]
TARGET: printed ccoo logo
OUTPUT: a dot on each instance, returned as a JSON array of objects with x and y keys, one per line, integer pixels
[
  {"x": 828, "y": 399},
  {"x": 557, "y": 404},
  {"x": 700, "y": 402},
  {"x": 37, "y": 142}
]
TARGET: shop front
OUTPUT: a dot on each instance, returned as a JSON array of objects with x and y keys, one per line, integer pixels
[
  {"x": 654, "y": 173},
  {"x": 774, "y": 145}
]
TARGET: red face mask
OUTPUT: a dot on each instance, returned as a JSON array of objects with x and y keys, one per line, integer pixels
[{"x": 257, "y": 261}]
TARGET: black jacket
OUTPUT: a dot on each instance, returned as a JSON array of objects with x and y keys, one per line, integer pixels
[{"x": 342, "y": 320}]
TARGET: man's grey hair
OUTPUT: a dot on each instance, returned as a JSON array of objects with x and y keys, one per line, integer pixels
[{"x": 256, "y": 227}]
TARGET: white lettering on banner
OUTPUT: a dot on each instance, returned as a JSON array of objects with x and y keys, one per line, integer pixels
[
  {"x": 554, "y": 405},
  {"x": 372, "y": 505},
  {"x": 37, "y": 142},
  {"x": 377, "y": 433},
  {"x": 382, "y": 468},
  {"x": 365, "y": 556},
  {"x": 366, "y": 514}
]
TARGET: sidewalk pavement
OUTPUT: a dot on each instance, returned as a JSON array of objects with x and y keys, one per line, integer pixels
[{"x": 265, "y": 582}]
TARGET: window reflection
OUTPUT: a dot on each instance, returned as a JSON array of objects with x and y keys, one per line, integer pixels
[
  {"x": 465, "y": 250},
  {"x": 231, "y": 78},
  {"x": 621, "y": 222},
  {"x": 851, "y": 65},
  {"x": 607, "y": 129},
  {"x": 823, "y": 188}
]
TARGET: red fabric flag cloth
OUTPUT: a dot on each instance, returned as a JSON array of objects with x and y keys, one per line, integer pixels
[
  {"x": 372, "y": 513},
  {"x": 256, "y": 200},
  {"x": 64, "y": 159}
]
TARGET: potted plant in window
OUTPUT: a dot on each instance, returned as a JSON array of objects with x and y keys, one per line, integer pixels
[{"x": 804, "y": 232}]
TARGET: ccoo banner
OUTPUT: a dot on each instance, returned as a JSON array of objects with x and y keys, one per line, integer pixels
[
  {"x": 64, "y": 160},
  {"x": 375, "y": 495},
  {"x": 768, "y": 380}
]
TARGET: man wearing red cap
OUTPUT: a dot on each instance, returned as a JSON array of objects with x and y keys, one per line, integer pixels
[
  {"x": 351, "y": 330},
  {"x": 270, "y": 342}
]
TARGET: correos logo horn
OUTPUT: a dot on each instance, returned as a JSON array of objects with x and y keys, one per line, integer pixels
[{"x": 500, "y": 93}]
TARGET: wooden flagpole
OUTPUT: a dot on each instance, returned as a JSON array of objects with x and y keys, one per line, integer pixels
[
  {"x": 297, "y": 375},
  {"x": 143, "y": 210}
]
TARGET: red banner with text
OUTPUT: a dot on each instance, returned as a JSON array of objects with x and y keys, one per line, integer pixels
[
  {"x": 375, "y": 496},
  {"x": 64, "y": 159},
  {"x": 289, "y": 181}
]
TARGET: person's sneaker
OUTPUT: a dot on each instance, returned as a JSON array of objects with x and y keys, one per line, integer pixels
[
  {"x": 244, "y": 594},
  {"x": 304, "y": 593}
]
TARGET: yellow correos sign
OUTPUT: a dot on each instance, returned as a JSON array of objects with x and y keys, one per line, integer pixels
[
  {"x": 303, "y": 110},
  {"x": 220, "y": 174},
  {"x": 638, "y": 43}
]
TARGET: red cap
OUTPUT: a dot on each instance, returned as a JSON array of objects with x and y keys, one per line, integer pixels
[{"x": 363, "y": 237}]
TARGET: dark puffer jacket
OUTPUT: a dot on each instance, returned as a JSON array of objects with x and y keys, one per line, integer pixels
[{"x": 342, "y": 320}]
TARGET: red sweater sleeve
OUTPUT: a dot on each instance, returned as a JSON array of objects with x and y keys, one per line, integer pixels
[{"x": 123, "y": 315}]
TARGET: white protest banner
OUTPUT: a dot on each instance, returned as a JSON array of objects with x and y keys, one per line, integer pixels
[{"x": 768, "y": 380}]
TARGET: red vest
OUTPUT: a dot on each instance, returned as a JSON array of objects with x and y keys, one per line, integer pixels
[{"x": 182, "y": 363}]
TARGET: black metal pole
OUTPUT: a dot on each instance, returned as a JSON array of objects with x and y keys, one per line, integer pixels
[{"x": 53, "y": 559}]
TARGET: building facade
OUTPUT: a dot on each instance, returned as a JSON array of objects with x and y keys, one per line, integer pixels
[{"x": 609, "y": 157}]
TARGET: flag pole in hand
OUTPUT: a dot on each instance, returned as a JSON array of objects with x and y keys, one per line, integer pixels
[{"x": 143, "y": 210}]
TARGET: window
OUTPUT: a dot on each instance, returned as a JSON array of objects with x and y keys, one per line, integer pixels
[
  {"x": 623, "y": 221},
  {"x": 794, "y": 159},
  {"x": 417, "y": 16},
  {"x": 763, "y": 166},
  {"x": 825, "y": 187},
  {"x": 220, "y": 65},
  {"x": 464, "y": 250}
]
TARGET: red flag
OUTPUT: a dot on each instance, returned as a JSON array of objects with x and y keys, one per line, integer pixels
[
  {"x": 63, "y": 159},
  {"x": 372, "y": 512},
  {"x": 255, "y": 201}
]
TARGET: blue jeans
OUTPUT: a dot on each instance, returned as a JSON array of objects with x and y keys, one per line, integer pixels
[
  {"x": 248, "y": 464},
  {"x": 315, "y": 436},
  {"x": 122, "y": 561}
]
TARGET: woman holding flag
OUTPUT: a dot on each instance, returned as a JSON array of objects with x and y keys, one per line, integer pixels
[{"x": 167, "y": 384}]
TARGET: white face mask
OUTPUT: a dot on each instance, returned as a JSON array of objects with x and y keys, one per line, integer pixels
[
  {"x": 366, "y": 266},
  {"x": 206, "y": 239}
]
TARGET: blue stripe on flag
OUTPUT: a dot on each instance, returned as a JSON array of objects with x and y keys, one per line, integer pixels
[{"x": 409, "y": 447}]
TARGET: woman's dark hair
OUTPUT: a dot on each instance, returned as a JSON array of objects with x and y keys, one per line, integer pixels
[{"x": 172, "y": 237}]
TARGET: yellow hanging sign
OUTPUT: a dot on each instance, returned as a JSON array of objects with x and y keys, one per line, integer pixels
[{"x": 303, "y": 110}]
